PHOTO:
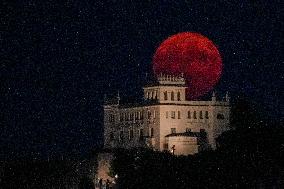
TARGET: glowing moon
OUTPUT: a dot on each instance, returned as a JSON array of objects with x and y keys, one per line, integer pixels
[{"x": 194, "y": 55}]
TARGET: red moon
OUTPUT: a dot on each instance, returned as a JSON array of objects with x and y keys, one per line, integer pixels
[{"x": 194, "y": 55}]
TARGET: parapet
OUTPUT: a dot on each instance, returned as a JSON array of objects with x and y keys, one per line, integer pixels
[{"x": 171, "y": 79}]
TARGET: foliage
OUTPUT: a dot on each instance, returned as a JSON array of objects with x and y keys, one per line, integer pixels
[{"x": 246, "y": 158}]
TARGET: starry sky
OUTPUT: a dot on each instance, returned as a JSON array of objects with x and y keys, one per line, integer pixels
[{"x": 59, "y": 58}]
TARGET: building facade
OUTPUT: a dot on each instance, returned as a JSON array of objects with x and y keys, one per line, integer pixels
[{"x": 165, "y": 120}]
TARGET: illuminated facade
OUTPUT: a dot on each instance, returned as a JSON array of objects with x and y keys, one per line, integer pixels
[{"x": 165, "y": 120}]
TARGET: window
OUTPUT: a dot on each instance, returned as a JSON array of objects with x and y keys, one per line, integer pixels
[
  {"x": 131, "y": 116},
  {"x": 148, "y": 95},
  {"x": 188, "y": 130},
  {"x": 152, "y": 132},
  {"x": 220, "y": 116},
  {"x": 173, "y": 114},
  {"x": 178, "y": 114},
  {"x": 173, "y": 130},
  {"x": 139, "y": 115},
  {"x": 167, "y": 114},
  {"x": 165, "y": 95},
  {"x": 130, "y": 134},
  {"x": 200, "y": 115},
  {"x": 149, "y": 114},
  {"x": 111, "y": 136},
  {"x": 172, "y": 96},
  {"x": 141, "y": 135},
  {"x": 121, "y": 135},
  {"x": 154, "y": 114},
  {"x": 206, "y": 115},
  {"x": 142, "y": 115},
  {"x": 188, "y": 115},
  {"x": 166, "y": 146},
  {"x": 111, "y": 118},
  {"x": 126, "y": 116},
  {"x": 136, "y": 115},
  {"x": 178, "y": 96},
  {"x": 194, "y": 115},
  {"x": 155, "y": 95}
]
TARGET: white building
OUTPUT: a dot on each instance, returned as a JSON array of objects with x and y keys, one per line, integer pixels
[{"x": 166, "y": 120}]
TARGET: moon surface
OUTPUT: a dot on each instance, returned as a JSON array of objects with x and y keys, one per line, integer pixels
[{"x": 194, "y": 55}]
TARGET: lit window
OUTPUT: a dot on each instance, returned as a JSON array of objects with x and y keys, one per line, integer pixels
[
  {"x": 165, "y": 95},
  {"x": 172, "y": 96},
  {"x": 178, "y": 96},
  {"x": 173, "y": 130},
  {"x": 178, "y": 114},
  {"x": 173, "y": 115},
  {"x": 200, "y": 115}
]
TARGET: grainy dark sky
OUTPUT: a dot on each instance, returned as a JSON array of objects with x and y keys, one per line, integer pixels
[{"x": 58, "y": 58}]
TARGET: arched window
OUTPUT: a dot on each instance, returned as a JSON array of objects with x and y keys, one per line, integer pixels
[
  {"x": 172, "y": 96},
  {"x": 165, "y": 95},
  {"x": 200, "y": 115},
  {"x": 178, "y": 96},
  {"x": 188, "y": 115}
]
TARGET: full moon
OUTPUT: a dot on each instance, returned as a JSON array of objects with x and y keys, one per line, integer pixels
[{"x": 195, "y": 56}]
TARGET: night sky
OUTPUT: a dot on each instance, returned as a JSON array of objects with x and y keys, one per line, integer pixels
[{"x": 59, "y": 58}]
